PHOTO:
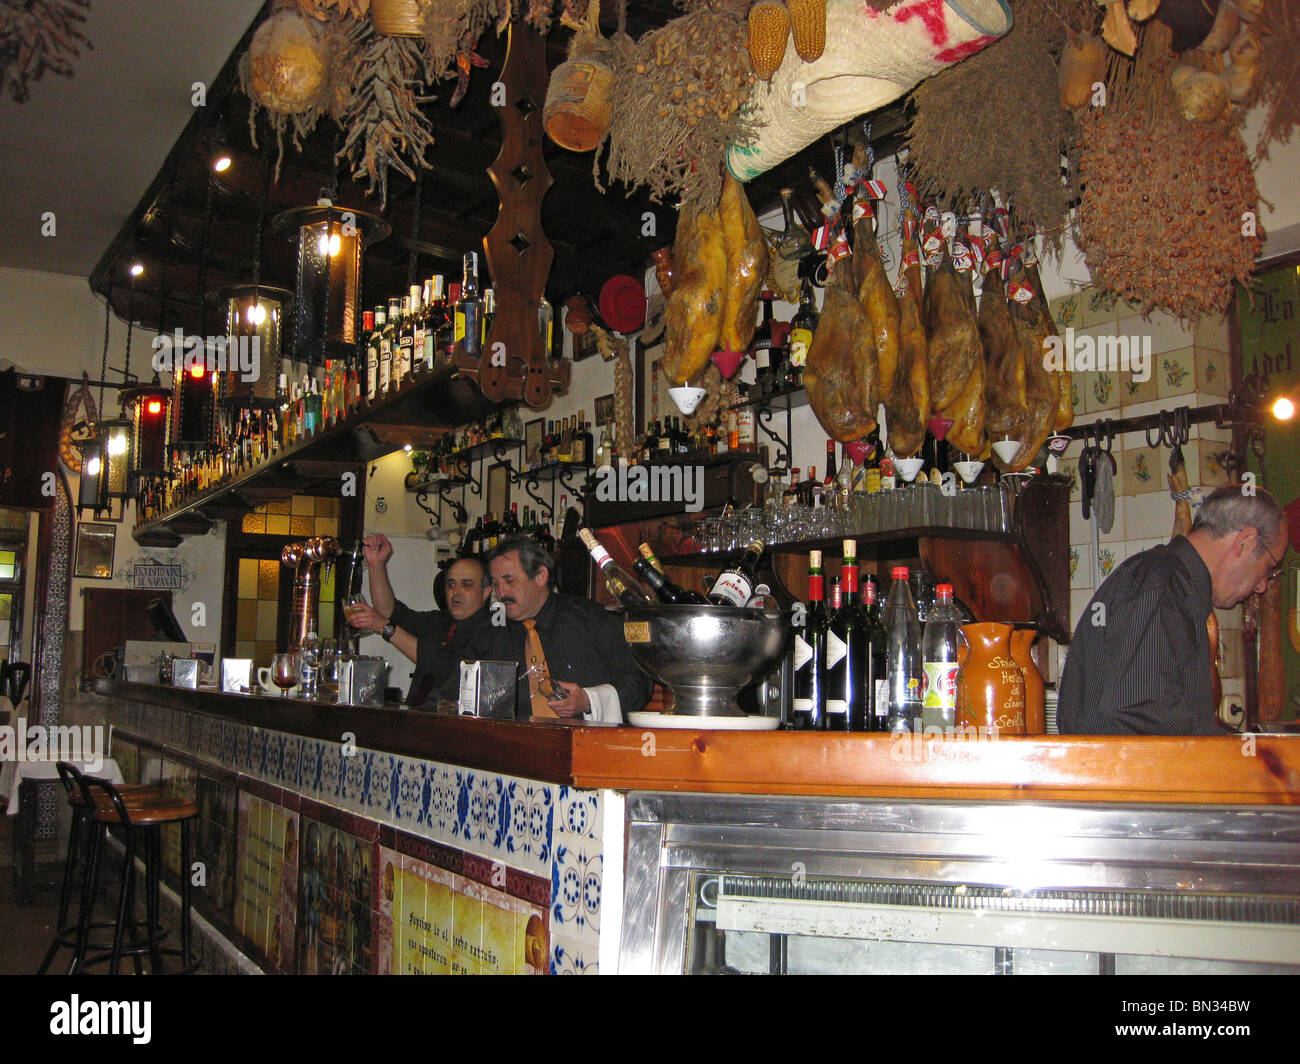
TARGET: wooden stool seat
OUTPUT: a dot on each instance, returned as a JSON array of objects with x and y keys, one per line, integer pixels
[
  {"x": 132, "y": 794},
  {"x": 148, "y": 811}
]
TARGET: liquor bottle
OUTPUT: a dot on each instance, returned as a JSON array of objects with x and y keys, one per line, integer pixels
[
  {"x": 512, "y": 522},
  {"x": 663, "y": 439},
  {"x": 790, "y": 495},
  {"x": 939, "y": 660},
  {"x": 877, "y": 661},
  {"x": 809, "y": 696},
  {"x": 802, "y": 327},
  {"x": 546, "y": 325},
  {"x": 446, "y": 336},
  {"x": 807, "y": 488},
  {"x": 404, "y": 355},
  {"x": 846, "y": 653},
  {"x": 871, "y": 464},
  {"x": 493, "y": 531},
  {"x": 605, "y": 452},
  {"x": 829, "y": 483},
  {"x": 904, "y": 673},
  {"x": 619, "y": 584},
  {"x": 489, "y": 312},
  {"x": 476, "y": 537},
  {"x": 735, "y": 586},
  {"x": 421, "y": 297},
  {"x": 583, "y": 446},
  {"x": 469, "y": 311},
  {"x": 664, "y": 588},
  {"x": 761, "y": 348},
  {"x": 745, "y": 440},
  {"x": 372, "y": 354},
  {"x": 311, "y": 404}
]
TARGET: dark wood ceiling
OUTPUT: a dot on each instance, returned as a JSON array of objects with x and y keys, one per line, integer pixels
[{"x": 194, "y": 233}]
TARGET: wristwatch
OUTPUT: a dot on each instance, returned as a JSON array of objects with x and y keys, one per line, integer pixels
[{"x": 388, "y": 631}]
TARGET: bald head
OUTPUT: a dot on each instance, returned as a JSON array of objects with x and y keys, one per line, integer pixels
[{"x": 467, "y": 588}]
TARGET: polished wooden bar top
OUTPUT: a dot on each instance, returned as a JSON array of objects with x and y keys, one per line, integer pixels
[{"x": 1243, "y": 770}]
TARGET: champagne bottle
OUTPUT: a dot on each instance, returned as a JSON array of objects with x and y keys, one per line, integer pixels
[
  {"x": 622, "y": 586},
  {"x": 649, "y": 555},
  {"x": 664, "y": 588},
  {"x": 735, "y": 587},
  {"x": 809, "y": 698}
]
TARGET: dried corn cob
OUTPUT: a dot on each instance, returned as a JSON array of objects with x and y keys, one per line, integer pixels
[
  {"x": 769, "y": 27},
  {"x": 808, "y": 25}
]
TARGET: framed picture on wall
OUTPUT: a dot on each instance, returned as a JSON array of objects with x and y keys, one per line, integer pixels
[
  {"x": 533, "y": 434},
  {"x": 95, "y": 547},
  {"x": 498, "y": 489},
  {"x": 605, "y": 409}
]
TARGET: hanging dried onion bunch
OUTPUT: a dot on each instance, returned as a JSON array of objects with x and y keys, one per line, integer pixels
[
  {"x": 1161, "y": 219},
  {"x": 678, "y": 101},
  {"x": 991, "y": 121},
  {"x": 1278, "y": 80}
]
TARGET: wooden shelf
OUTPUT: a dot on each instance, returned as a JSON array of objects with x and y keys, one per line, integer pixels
[{"x": 441, "y": 401}]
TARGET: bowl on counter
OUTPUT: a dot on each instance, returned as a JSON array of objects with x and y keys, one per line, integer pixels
[{"x": 704, "y": 655}]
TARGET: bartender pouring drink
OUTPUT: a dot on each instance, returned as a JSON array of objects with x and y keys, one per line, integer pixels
[
  {"x": 434, "y": 639},
  {"x": 1139, "y": 663},
  {"x": 574, "y": 662}
]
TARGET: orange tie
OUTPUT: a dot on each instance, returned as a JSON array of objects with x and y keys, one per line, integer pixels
[{"x": 536, "y": 670}]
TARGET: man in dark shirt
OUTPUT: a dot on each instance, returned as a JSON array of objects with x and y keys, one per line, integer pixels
[
  {"x": 434, "y": 639},
  {"x": 1139, "y": 662},
  {"x": 581, "y": 641}
]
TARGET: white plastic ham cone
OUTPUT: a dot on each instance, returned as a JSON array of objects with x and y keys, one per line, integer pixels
[{"x": 872, "y": 58}]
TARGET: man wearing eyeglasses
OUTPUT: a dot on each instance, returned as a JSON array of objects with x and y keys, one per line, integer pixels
[{"x": 1139, "y": 662}]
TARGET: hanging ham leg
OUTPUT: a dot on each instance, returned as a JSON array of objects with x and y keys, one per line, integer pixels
[
  {"x": 908, "y": 402},
  {"x": 693, "y": 317}
]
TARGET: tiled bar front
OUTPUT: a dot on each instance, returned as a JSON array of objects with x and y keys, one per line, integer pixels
[{"x": 326, "y": 857}]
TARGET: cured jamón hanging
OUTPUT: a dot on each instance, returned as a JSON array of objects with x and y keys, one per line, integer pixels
[
  {"x": 842, "y": 342},
  {"x": 907, "y": 406},
  {"x": 693, "y": 317}
]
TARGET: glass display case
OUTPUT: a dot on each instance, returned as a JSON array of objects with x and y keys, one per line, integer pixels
[{"x": 766, "y": 884}]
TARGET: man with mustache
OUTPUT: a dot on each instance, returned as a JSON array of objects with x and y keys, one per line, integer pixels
[
  {"x": 434, "y": 639},
  {"x": 574, "y": 662}
]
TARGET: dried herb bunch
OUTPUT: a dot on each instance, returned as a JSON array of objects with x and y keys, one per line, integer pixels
[
  {"x": 677, "y": 104},
  {"x": 991, "y": 121},
  {"x": 1278, "y": 26},
  {"x": 383, "y": 122},
  {"x": 1161, "y": 219},
  {"x": 452, "y": 26},
  {"x": 36, "y": 36}
]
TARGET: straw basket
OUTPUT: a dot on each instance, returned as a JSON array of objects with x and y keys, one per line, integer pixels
[
  {"x": 578, "y": 106},
  {"x": 399, "y": 18}
]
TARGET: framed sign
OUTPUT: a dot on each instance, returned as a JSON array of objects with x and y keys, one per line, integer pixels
[
  {"x": 533, "y": 434},
  {"x": 498, "y": 489},
  {"x": 95, "y": 546},
  {"x": 605, "y": 409}
]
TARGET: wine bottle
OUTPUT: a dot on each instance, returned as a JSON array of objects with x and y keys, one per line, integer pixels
[
  {"x": 619, "y": 584},
  {"x": 469, "y": 311},
  {"x": 802, "y": 327},
  {"x": 846, "y": 647},
  {"x": 649, "y": 555},
  {"x": 735, "y": 587},
  {"x": 877, "y": 661},
  {"x": 372, "y": 354},
  {"x": 761, "y": 348},
  {"x": 809, "y": 696}
]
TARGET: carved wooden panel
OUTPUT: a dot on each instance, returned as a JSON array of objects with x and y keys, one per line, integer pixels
[{"x": 518, "y": 253}]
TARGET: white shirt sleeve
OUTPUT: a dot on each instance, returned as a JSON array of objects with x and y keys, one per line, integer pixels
[{"x": 605, "y": 704}]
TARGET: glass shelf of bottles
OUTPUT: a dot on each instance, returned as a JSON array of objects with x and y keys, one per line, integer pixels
[{"x": 553, "y": 470}]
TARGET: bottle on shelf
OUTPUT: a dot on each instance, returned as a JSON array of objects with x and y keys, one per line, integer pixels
[
  {"x": 619, "y": 584},
  {"x": 546, "y": 325},
  {"x": 761, "y": 348},
  {"x": 939, "y": 660},
  {"x": 649, "y": 555},
  {"x": 735, "y": 586},
  {"x": 802, "y": 327},
  {"x": 922, "y": 591},
  {"x": 877, "y": 660},
  {"x": 372, "y": 354},
  {"x": 489, "y": 312},
  {"x": 904, "y": 673},
  {"x": 846, "y": 654},
  {"x": 469, "y": 311},
  {"x": 808, "y": 704},
  {"x": 605, "y": 451},
  {"x": 446, "y": 334},
  {"x": 404, "y": 353},
  {"x": 871, "y": 463},
  {"x": 829, "y": 482}
]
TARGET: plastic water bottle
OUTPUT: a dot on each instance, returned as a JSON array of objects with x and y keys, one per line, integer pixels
[
  {"x": 939, "y": 659},
  {"x": 904, "y": 675}
]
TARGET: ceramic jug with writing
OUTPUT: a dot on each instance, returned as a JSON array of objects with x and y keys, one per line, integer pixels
[
  {"x": 1022, "y": 642},
  {"x": 990, "y": 686}
]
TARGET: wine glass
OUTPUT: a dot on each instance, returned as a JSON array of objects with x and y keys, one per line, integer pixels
[
  {"x": 350, "y": 602},
  {"x": 284, "y": 671}
]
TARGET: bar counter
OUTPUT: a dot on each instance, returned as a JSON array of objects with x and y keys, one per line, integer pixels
[
  {"x": 1254, "y": 770},
  {"x": 350, "y": 839}
]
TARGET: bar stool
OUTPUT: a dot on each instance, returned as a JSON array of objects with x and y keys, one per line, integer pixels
[
  {"x": 65, "y": 934},
  {"x": 139, "y": 815}
]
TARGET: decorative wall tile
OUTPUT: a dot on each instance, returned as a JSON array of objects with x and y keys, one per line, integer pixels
[
  {"x": 1070, "y": 468},
  {"x": 1132, "y": 391},
  {"x": 1167, "y": 333},
  {"x": 1099, "y": 391},
  {"x": 1213, "y": 375},
  {"x": 1142, "y": 472},
  {"x": 444, "y": 803},
  {"x": 1079, "y": 574},
  {"x": 579, "y": 814},
  {"x": 243, "y": 738},
  {"x": 408, "y": 793},
  {"x": 529, "y": 817},
  {"x": 1175, "y": 372},
  {"x": 575, "y": 889},
  {"x": 1149, "y": 516},
  {"x": 1212, "y": 334},
  {"x": 571, "y": 957},
  {"x": 291, "y": 763},
  {"x": 1109, "y": 557}
]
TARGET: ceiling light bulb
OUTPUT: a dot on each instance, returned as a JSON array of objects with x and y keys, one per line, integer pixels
[
  {"x": 406, "y": 447},
  {"x": 136, "y": 270},
  {"x": 117, "y": 444},
  {"x": 221, "y": 164},
  {"x": 92, "y": 467},
  {"x": 256, "y": 314},
  {"x": 1284, "y": 409}
]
